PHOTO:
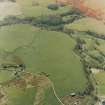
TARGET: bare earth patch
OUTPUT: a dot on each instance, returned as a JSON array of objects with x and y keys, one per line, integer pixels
[
  {"x": 8, "y": 9},
  {"x": 95, "y": 71}
]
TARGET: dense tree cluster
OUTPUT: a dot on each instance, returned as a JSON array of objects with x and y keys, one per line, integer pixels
[{"x": 53, "y": 6}]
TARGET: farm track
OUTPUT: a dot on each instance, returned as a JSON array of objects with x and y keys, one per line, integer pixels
[
  {"x": 56, "y": 95},
  {"x": 40, "y": 91}
]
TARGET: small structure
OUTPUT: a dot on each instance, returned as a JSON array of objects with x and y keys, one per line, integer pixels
[
  {"x": 73, "y": 94},
  {"x": 95, "y": 70}
]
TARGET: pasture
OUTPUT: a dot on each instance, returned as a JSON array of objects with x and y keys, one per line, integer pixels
[
  {"x": 87, "y": 24},
  {"x": 46, "y": 51},
  {"x": 29, "y": 8},
  {"x": 52, "y": 52},
  {"x": 20, "y": 97},
  {"x": 35, "y": 8},
  {"x": 15, "y": 36},
  {"x": 100, "y": 79},
  {"x": 41, "y": 51}
]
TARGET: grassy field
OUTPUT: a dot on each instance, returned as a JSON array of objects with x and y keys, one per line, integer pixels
[
  {"x": 44, "y": 51},
  {"x": 5, "y": 75},
  {"x": 52, "y": 52},
  {"x": 100, "y": 78},
  {"x": 94, "y": 49},
  {"x": 14, "y": 36},
  {"x": 28, "y": 9},
  {"x": 20, "y": 97},
  {"x": 102, "y": 46},
  {"x": 49, "y": 98},
  {"x": 87, "y": 24}
]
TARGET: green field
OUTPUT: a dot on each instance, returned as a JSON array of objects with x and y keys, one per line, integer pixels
[
  {"x": 46, "y": 51},
  {"x": 100, "y": 78},
  {"x": 102, "y": 46},
  {"x": 87, "y": 24},
  {"x": 28, "y": 9},
  {"x": 94, "y": 53},
  {"x": 14, "y": 36},
  {"x": 19, "y": 97},
  {"x": 50, "y": 99},
  {"x": 5, "y": 76},
  {"x": 50, "y": 52}
]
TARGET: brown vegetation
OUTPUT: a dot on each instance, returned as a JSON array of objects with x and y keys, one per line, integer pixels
[{"x": 84, "y": 8}]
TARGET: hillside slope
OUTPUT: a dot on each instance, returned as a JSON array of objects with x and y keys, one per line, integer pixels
[{"x": 92, "y": 8}]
